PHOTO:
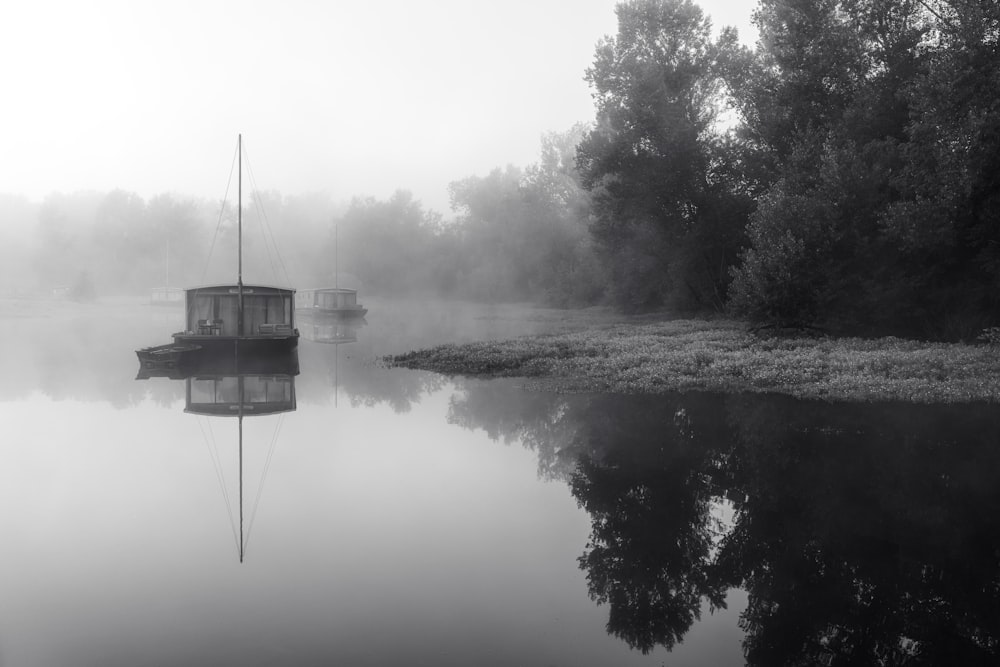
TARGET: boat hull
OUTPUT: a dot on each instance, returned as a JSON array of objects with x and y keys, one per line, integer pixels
[
  {"x": 170, "y": 360},
  {"x": 243, "y": 346},
  {"x": 343, "y": 313}
]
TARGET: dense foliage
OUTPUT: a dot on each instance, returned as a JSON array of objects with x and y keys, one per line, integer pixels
[
  {"x": 857, "y": 190},
  {"x": 880, "y": 122},
  {"x": 669, "y": 201}
]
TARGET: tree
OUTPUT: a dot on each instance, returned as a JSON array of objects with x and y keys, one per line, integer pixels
[
  {"x": 879, "y": 121},
  {"x": 524, "y": 233},
  {"x": 384, "y": 244},
  {"x": 656, "y": 169}
]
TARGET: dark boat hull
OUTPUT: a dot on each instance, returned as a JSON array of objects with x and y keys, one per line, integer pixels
[
  {"x": 243, "y": 346},
  {"x": 342, "y": 313},
  {"x": 170, "y": 360},
  {"x": 233, "y": 357}
]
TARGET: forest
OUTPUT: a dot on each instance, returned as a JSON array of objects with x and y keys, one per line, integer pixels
[{"x": 843, "y": 174}]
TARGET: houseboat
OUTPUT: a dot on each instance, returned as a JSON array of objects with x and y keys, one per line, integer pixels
[
  {"x": 166, "y": 296},
  {"x": 250, "y": 319},
  {"x": 231, "y": 319},
  {"x": 336, "y": 301}
]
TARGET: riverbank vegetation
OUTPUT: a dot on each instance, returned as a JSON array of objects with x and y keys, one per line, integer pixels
[
  {"x": 843, "y": 173},
  {"x": 723, "y": 356}
]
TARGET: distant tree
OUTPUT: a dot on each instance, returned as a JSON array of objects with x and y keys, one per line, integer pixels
[
  {"x": 524, "y": 232},
  {"x": 18, "y": 217},
  {"x": 180, "y": 231},
  {"x": 83, "y": 288},
  {"x": 120, "y": 230},
  {"x": 62, "y": 247},
  {"x": 572, "y": 273},
  {"x": 385, "y": 244}
]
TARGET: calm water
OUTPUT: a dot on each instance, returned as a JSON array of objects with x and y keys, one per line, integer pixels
[{"x": 399, "y": 518}]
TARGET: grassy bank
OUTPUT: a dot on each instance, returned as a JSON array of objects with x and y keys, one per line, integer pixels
[{"x": 678, "y": 355}]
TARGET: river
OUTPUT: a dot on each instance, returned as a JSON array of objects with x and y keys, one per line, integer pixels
[{"x": 396, "y": 517}]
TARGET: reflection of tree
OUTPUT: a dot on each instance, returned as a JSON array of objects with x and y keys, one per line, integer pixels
[
  {"x": 868, "y": 534},
  {"x": 864, "y": 534},
  {"x": 542, "y": 422},
  {"x": 648, "y": 488}
]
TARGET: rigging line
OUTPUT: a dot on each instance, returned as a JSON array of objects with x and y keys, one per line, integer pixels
[
  {"x": 259, "y": 207},
  {"x": 222, "y": 210},
  {"x": 222, "y": 481},
  {"x": 217, "y": 464},
  {"x": 220, "y": 475},
  {"x": 263, "y": 476},
  {"x": 267, "y": 249},
  {"x": 267, "y": 223},
  {"x": 265, "y": 226}
]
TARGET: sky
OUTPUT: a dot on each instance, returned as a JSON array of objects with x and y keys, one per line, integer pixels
[{"x": 346, "y": 98}]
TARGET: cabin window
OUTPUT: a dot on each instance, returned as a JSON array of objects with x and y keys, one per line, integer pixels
[
  {"x": 265, "y": 309},
  {"x": 331, "y": 300},
  {"x": 267, "y": 390},
  {"x": 224, "y": 307},
  {"x": 215, "y": 391}
]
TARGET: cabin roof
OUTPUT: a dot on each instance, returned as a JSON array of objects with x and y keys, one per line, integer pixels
[
  {"x": 232, "y": 409},
  {"x": 208, "y": 288},
  {"x": 344, "y": 290}
]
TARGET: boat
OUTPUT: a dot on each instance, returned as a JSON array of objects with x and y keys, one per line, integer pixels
[
  {"x": 170, "y": 360},
  {"x": 250, "y": 319},
  {"x": 236, "y": 318},
  {"x": 335, "y": 301},
  {"x": 166, "y": 296}
]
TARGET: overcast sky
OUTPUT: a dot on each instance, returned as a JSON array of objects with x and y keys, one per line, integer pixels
[{"x": 350, "y": 98}]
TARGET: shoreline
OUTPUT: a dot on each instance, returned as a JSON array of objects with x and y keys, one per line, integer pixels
[{"x": 645, "y": 357}]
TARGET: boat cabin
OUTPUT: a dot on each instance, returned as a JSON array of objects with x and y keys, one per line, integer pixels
[
  {"x": 166, "y": 296},
  {"x": 214, "y": 311},
  {"x": 327, "y": 298}
]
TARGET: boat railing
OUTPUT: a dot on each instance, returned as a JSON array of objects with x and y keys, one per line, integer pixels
[
  {"x": 210, "y": 327},
  {"x": 274, "y": 328}
]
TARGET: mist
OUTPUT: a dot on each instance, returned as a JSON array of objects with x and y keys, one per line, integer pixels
[{"x": 516, "y": 234}]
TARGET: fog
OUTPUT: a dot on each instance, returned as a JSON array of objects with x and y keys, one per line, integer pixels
[
  {"x": 517, "y": 235},
  {"x": 347, "y": 98},
  {"x": 117, "y": 144}
]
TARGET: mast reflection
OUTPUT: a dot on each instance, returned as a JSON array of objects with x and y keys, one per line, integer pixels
[
  {"x": 230, "y": 385},
  {"x": 335, "y": 330}
]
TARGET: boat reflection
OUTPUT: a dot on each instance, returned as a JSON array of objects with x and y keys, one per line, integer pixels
[
  {"x": 263, "y": 388},
  {"x": 330, "y": 329},
  {"x": 229, "y": 385}
]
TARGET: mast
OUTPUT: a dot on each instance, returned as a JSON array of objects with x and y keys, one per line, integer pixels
[
  {"x": 241, "y": 471},
  {"x": 239, "y": 236}
]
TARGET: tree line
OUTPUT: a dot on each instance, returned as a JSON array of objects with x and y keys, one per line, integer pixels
[
  {"x": 843, "y": 174},
  {"x": 518, "y": 234}
]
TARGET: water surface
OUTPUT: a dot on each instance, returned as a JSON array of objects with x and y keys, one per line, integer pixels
[{"x": 398, "y": 517}]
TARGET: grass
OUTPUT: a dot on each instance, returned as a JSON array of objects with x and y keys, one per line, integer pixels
[{"x": 722, "y": 356}]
